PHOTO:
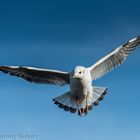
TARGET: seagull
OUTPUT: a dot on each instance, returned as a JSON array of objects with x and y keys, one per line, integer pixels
[{"x": 82, "y": 95}]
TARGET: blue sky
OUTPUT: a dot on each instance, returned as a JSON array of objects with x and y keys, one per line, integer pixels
[{"x": 60, "y": 35}]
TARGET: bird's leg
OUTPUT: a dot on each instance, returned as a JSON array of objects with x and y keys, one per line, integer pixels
[
  {"x": 86, "y": 109},
  {"x": 79, "y": 110},
  {"x": 82, "y": 110}
]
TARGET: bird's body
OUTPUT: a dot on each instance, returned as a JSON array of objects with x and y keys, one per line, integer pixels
[
  {"x": 82, "y": 95},
  {"x": 80, "y": 84}
]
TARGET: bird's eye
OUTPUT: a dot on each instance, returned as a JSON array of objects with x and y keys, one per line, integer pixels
[{"x": 80, "y": 72}]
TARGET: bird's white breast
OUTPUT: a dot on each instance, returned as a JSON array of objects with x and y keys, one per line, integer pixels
[{"x": 80, "y": 87}]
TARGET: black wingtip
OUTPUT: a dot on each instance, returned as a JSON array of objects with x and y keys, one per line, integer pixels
[
  {"x": 96, "y": 103},
  {"x": 73, "y": 110},
  {"x": 66, "y": 108},
  {"x": 61, "y": 105},
  {"x": 101, "y": 98},
  {"x": 90, "y": 107}
]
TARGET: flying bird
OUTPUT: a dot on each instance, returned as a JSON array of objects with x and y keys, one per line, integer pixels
[{"x": 82, "y": 95}]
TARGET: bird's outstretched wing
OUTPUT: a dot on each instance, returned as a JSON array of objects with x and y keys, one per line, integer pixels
[
  {"x": 113, "y": 59},
  {"x": 37, "y": 75}
]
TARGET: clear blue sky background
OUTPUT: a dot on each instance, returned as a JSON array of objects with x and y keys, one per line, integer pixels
[{"x": 60, "y": 34}]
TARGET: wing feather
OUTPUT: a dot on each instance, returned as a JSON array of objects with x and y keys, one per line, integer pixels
[
  {"x": 113, "y": 59},
  {"x": 38, "y": 75}
]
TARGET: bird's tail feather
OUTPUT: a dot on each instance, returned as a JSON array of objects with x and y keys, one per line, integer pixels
[
  {"x": 98, "y": 94},
  {"x": 67, "y": 103}
]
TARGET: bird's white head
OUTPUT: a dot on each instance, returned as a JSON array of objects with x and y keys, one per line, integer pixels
[{"x": 79, "y": 72}]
